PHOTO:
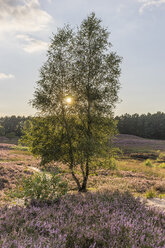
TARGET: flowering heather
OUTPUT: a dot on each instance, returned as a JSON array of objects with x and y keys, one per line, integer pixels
[
  {"x": 92, "y": 220},
  {"x": 14, "y": 164},
  {"x": 133, "y": 142}
]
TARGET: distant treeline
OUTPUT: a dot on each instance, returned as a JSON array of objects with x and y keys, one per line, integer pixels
[
  {"x": 11, "y": 127},
  {"x": 146, "y": 125}
]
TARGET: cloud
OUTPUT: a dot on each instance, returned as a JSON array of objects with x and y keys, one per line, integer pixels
[
  {"x": 23, "y": 16},
  {"x": 6, "y": 76},
  {"x": 31, "y": 45},
  {"x": 149, "y": 3}
]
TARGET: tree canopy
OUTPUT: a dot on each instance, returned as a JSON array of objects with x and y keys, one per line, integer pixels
[
  {"x": 75, "y": 96},
  {"x": 11, "y": 126},
  {"x": 146, "y": 125}
]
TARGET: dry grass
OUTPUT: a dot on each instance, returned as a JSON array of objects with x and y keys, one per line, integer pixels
[
  {"x": 140, "y": 167},
  {"x": 13, "y": 165}
]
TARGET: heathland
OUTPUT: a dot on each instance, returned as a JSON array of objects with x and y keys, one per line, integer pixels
[{"x": 114, "y": 212}]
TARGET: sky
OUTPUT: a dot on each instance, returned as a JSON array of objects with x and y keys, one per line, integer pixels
[{"x": 137, "y": 33}]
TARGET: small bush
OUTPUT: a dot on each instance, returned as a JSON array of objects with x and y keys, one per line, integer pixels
[
  {"x": 161, "y": 196},
  {"x": 115, "y": 152},
  {"x": 162, "y": 165},
  {"x": 161, "y": 155},
  {"x": 148, "y": 163},
  {"x": 41, "y": 187},
  {"x": 109, "y": 163},
  {"x": 150, "y": 194},
  {"x": 112, "y": 164}
]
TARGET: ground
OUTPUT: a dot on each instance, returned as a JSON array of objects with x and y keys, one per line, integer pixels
[
  {"x": 106, "y": 216},
  {"x": 132, "y": 174}
]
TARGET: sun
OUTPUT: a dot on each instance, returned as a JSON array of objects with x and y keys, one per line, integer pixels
[{"x": 68, "y": 100}]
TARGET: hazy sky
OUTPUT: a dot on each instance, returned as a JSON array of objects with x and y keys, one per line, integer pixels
[{"x": 137, "y": 34}]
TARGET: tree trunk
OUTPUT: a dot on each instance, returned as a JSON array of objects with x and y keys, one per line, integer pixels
[
  {"x": 76, "y": 180},
  {"x": 84, "y": 186},
  {"x": 85, "y": 179}
]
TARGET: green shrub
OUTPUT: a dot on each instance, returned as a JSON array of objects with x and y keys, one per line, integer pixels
[
  {"x": 112, "y": 164},
  {"x": 161, "y": 196},
  {"x": 162, "y": 165},
  {"x": 161, "y": 155},
  {"x": 110, "y": 158},
  {"x": 148, "y": 163},
  {"x": 108, "y": 163},
  {"x": 115, "y": 152},
  {"x": 40, "y": 187},
  {"x": 150, "y": 194}
]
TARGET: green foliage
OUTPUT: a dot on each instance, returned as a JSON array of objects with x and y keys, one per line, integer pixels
[
  {"x": 81, "y": 66},
  {"x": 112, "y": 164},
  {"x": 148, "y": 163},
  {"x": 146, "y": 125},
  {"x": 115, "y": 152},
  {"x": 150, "y": 194},
  {"x": 109, "y": 164},
  {"x": 2, "y": 131},
  {"x": 11, "y": 126},
  {"x": 40, "y": 187},
  {"x": 108, "y": 160},
  {"x": 161, "y": 196},
  {"x": 46, "y": 137},
  {"x": 162, "y": 165}
]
